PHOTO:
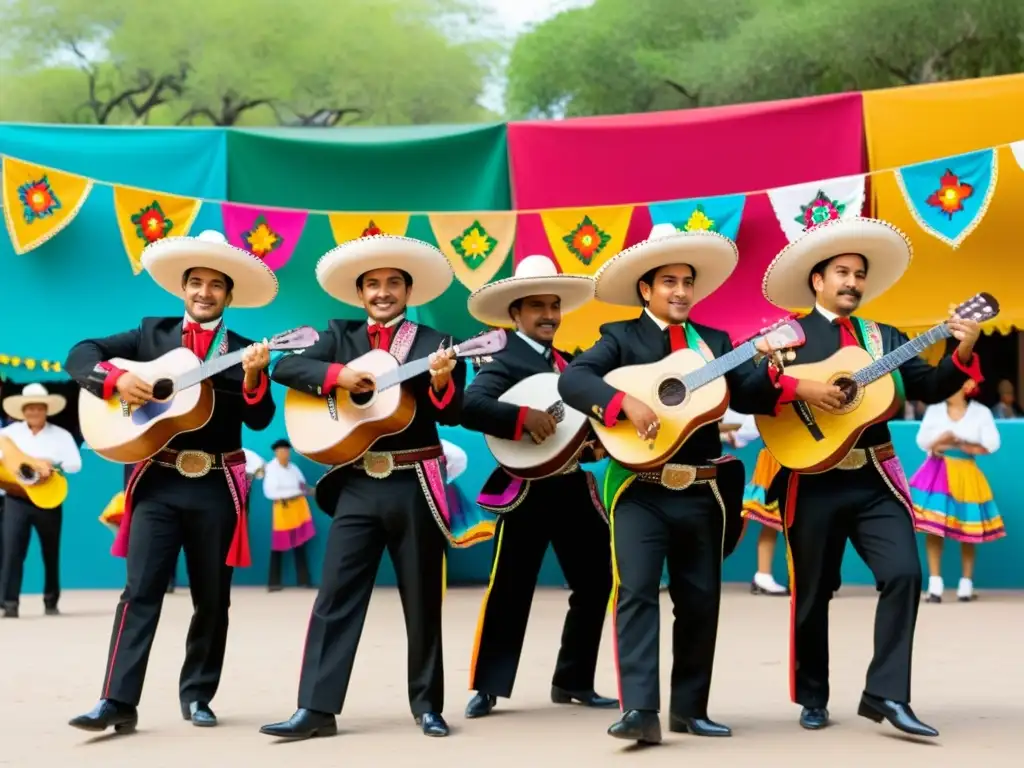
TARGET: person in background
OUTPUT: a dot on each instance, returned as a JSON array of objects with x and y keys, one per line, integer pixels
[
  {"x": 1007, "y": 407},
  {"x": 56, "y": 448},
  {"x": 285, "y": 485},
  {"x": 951, "y": 496}
]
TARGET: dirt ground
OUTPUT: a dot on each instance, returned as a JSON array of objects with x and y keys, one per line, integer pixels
[{"x": 968, "y": 683}]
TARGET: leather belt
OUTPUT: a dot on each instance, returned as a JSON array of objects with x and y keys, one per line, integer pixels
[
  {"x": 678, "y": 477},
  {"x": 380, "y": 464},
  {"x": 859, "y": 457},
  {"x": 197, "y": 463}
]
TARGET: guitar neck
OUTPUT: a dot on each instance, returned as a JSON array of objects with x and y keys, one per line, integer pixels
[
  {"x": 890, "y": 362},
  {"x": 208, "y": 369},
  {"x": 720, "y": 366},
  {"x": 403, "y": 373}
]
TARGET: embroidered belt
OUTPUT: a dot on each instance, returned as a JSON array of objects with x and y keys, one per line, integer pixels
[
  {"x": 197, "y": 463},
  {"x": 380, "y": 464},
  {"x": 859, "y": 457},
  {"x": 678, "y": 477}
]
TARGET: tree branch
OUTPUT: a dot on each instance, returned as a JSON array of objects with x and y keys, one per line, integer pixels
[{"x": 694, "y": 97}]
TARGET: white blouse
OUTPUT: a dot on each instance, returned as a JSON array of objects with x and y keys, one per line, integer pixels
[
  {"x": 282, "y": 482},
  {"x": 977, "y": 426}
]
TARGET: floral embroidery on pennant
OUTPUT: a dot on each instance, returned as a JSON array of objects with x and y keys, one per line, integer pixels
[
  {"x": 372, "y": 229},
  {"x": 261, "y": 240},
  {"x": 949, "y": 197},
  {"x": 699, "y": 220},
  {"x": 474, "y": 245},
  {"x": 151, "y": 224},
  {"x": 38, "y": 199},
  {"x": 822, "y": 208},
  {"x": 586, "y": 240}
]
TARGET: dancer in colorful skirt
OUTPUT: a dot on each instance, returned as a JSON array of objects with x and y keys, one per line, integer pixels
[
  {"x": 285, "y": 485},
  {"x": 951, "y": 496}
]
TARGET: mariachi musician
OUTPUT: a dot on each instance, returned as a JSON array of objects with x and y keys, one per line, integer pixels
[{"x": 563, "y": 510}]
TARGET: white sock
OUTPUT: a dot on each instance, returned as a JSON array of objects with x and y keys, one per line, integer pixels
[
  {"x": 966, "y": 588},
  {"x": 767, "y": 582},
  {"x": 935, "y": 585}
]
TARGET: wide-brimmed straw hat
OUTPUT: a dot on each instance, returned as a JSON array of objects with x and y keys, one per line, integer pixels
[
  {"x": 167, "y": 260},
  {"x": 534, "y": 276},
  {"x": 885, "y": 248},
  {"x": 33, "y": 394},
  {"x": 339, "y": 268},
  {"x": 712, "y": 256}
]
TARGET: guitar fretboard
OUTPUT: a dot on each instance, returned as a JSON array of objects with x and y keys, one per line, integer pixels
[
  {"x": 890, "y": 362},
  {"x": 207, "y": 369},
  {"x": 720, "y": 366},
  {"x": 402, "y": 373}
]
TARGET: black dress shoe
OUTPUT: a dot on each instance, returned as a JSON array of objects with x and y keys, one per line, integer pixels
[
  {"x": 640, "y": 725},
  {"x": 304, "y": 724},
  {"x": 108, "y": 714},
  {"x": 10, "y": 610},
  {"x": 480, "y": 705},
  {"x": 587, "y": 698},
  {"x": 432, "y": 724},
  {"x": 814, "y": 718},
  {"x": 51, "y": 610},
  {"x": 199, "y": 713},
  {"x": 698, "y": 726},
  {"x": 932, "y": 598},
  {"x": 900, "y": 715}
]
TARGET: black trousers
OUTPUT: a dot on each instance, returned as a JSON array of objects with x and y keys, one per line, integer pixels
[
  {"x": 371, "y": 515},
  {"x": 556, "y": 511},
  {"x": 649, "y": 525},
  {"x": 858, "y": 506},
  {"x": 170, "y": 512},
  {"x": 20, "y": 517},
  {"x": 301, "y": 567}
]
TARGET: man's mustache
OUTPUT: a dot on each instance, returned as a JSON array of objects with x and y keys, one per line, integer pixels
[{"x": 851, "y": 292}]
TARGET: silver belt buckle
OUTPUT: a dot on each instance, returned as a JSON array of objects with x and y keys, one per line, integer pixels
[
  {"x": 193, "y": 464},
  {"x": 378, "y": 464},
  {"x": 678, "y": 477}
]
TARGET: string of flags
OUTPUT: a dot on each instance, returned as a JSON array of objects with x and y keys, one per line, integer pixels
[
  {"x": 948, "y": 198},
  {"x": 30, "y": 363}
]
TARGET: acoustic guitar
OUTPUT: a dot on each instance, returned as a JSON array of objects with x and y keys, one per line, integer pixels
[
  {"x": 685, "y": 393},
  {"x": 182, "y": 400},
  {"x": 338, "y": 429},
  {"x": 809, "y": 440},
  {"x": 529, "y": 460},
  {"x": 25, "y": 483}
]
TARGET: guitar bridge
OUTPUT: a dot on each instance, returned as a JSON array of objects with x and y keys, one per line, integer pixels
[
  {"x": 126, "y": 410},
  {"x": 332, "y": 407}
]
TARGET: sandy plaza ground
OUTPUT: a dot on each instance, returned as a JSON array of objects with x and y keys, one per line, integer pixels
[{"x": 968, "y": 683}]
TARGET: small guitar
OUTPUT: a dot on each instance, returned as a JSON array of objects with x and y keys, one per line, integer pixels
[
  {"x": 529, "y": 460},
  {"x": 338, "y": 429},
  {"x": 685, "y": 392},
  {"x": 131, "y": 434},
  {"x": 809, "y": 440},
  {"x": 25, "y": 483}
]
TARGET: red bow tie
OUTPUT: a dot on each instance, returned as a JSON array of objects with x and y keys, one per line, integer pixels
[
  {"x": 380, "y": 336},
  {"x": 197, "y": 338}
]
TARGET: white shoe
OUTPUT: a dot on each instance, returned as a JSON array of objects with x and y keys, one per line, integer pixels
[{"x": 965, "y": 591}]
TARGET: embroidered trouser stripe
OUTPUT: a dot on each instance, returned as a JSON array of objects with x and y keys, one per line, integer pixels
[{"x": 481, "y": 619}]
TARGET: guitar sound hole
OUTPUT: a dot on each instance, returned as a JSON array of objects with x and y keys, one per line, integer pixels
[
  {"x": 163, "y": 389},
  {"x": 362, "y": 398},
  {"x": 26, "y": 472},
  {"x": 849, "y": 388},
  {"x": 671, "y": 392}
]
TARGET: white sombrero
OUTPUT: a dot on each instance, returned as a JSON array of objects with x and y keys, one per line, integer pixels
[
  {"x": 33, "y": 394},
  {"x": 167, "y": 260},
  {"x": 712, "y": 256},
  {"x": 887, "y": 250},
  {"x": 339, "y": 268},
  {"x": 534, "y": 276}
]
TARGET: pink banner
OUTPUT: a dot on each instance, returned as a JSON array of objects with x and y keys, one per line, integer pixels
[
  {"x": 685, "y": 154},
  {"x": 267, "y": 233}
]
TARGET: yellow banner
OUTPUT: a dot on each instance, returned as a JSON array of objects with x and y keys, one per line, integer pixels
[
  {"x": 901, "y": 130},
  {"x": 145, "y": 217},
  {"x": 582, "y": 240},
  {"x": 30, "y": 363},
  {"x": 476, "y": 244},
  {"x": 349, "y": 226},
  {"x": 39, "y": 202}
]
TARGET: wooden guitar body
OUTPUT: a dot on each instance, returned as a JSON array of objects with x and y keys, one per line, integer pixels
[
  {"x": 129, "y": 435},
  {"x": 45, "y": 494},
  {"x": 680, "y": 411},
  {"x": 820, "y": 445},
  {"x": 341, "y": 427},
  {"x": 529, "y": 460}
]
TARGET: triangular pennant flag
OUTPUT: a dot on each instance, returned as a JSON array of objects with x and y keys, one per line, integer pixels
[
  {"x": 1018, "y": 153},
  {"x": 268, "y": 233},
  {"x": 349, "y": 226},
  {"x": 716, "y": 214},
  {"x": 145, "y": 217},
  {"x": 801, "y": 206},
  {"x": 582, "y": 239},
  {"x": 39, "y": 202},
  {"x": 949, "y": 197},
  {"x": 476, "y": 244}
]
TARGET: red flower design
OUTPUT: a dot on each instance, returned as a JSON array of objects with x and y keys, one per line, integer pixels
[
  {"x": 949, "y": 197},
  {"x": 372, "y": 229}
]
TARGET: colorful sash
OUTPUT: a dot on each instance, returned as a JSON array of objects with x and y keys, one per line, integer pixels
[{"x": 871, "y": 335}]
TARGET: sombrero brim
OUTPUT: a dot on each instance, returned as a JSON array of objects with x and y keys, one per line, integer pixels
[
  {"x": 15, "y": 404},
  {"x": 712, "y": 256},
  {"x": 338, "y": 269},
  {"x": 888, "y": 252},
  {"x": 255, "y": 284},
  {"x": 490, "y": 303}
]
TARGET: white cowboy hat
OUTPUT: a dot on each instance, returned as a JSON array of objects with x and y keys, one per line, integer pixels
[
  {"x": 712, "y": 256},
  {"x": 33, "y": 394},
  {"x": 887, "y": 250},
  {"x": 338, "y": 269},
  {"x": 167, "y": 260},
  {"x": 534, "y": 276}
]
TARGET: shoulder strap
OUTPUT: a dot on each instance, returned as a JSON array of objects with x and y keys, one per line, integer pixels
[
  {"x": 694, "y": 341},
  {"x": 871, "y": 334},
  {"x": 403, "y": 340}
]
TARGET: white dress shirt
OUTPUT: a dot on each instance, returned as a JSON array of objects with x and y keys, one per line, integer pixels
[
  {"x": 282, "y": 482},
  {"x": 52, "y": 443},
  {"x": 976, "y": 426}
]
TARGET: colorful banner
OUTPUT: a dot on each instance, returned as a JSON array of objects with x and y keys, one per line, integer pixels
[
  {"x": 476, "y": 244},
  {"x": 717, "y": 214},
  {"x": 350, "y": 226},
  {"x": 1018, "y": 153},
  {"x": 949, "y": 197},
  {"x": 800, "y": 206},
  {"x": 39, "y": 202},
  {"x": 144, "y": 217},
  {"x": 30, "y": 363},
  {"x": 270, "y": 234}
]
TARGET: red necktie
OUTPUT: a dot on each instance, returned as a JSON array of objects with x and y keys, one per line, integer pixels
[
  {"x": 558, "y": 360},
  {"x": 677, "y": 338},
  {"x": 380, "y": 336},
  {"x": 197, "y": 338},
  {"x": 847, "y": 338}
]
